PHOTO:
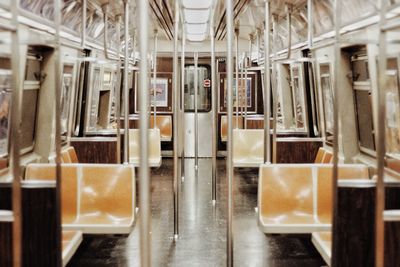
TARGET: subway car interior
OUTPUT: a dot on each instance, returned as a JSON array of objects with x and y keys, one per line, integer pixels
[{"x": 200, "y": 133}]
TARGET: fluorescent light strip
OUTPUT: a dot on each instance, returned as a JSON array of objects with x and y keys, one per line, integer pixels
[
  {"x": 196, "y": 37},
  {"x": 196, "y": 28},
  {"x": 197, "y": 4},
  {"x": 193, "y": 16}
]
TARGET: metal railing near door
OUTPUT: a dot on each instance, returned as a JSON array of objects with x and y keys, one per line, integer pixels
[{"x": 267, "y": 83}]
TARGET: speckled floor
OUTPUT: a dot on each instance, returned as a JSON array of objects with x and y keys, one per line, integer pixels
[{"x": 202, "y": 240}]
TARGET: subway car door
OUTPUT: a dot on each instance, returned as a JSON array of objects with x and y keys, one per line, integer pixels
[{"x": 203, "y": 110}]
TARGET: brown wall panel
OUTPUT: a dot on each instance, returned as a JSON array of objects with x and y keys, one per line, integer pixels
[{"x": 95, "y": 150}]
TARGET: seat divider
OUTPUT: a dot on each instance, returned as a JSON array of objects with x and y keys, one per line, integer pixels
[
  {"x": 315, "y": 193},
  {"x": 79, "y": 191}
]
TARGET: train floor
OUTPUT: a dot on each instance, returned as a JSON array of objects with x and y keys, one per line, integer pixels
[{"x": 202, "y": 227}]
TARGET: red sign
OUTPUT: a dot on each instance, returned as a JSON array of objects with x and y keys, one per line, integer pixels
[{"x": 207, "y": 83}]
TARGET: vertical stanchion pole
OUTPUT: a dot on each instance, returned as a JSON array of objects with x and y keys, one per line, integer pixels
[
  {"x": 267, "y": 84},
  {"x": 144, "y": 179},
  {"x": 16, "y": 110},
  {"x": 58, "y": 81},
  {"x": 229, "y": 171},
  {"x": 247, "y": 65},
  {"x": 155, "y": 79},
  {"x": 182, "y": 126},
  {"x": 381, "y": 142},
  {"x": 336, "y": 68},
  {"x": 196, "y": 114},
  {"x": 214, "y": 98},
  {"x": 237, "y": 74},
  {"x": 83, "y": 29},
  {"x": 310, "y": 19},
  {"x": 118, "y": 90},
  {"x": 126, "y": 74},
  {"x": 175, "y": 104},
  {"x": 274, "y": 88}
]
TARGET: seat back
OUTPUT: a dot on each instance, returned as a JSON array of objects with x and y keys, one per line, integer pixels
[
  {"x": 324, "y": 186},
  {"x": 72, "y": 154},
  {"x": 248, "y": 147},
  {"x": 154, "y": 145},
  {"x": 65, "y": 157},
  {"x": 284, "y": 189},
  {"x": 69, "y": 185},
  {"x": 328, "y": 157},
  {"x": 237, "y": 123},
  {"x": 320, "y": 155},
  {"x": 104, "y": 185},
  {"x": 164, "y": 123}
]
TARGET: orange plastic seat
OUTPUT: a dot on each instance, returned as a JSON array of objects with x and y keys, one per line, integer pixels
[
  {"x": 320, "y": 155},
  {"x": 297, "y": 198},
  {"x": 248, "y": 147},
  {"x": 155, "y": 159},
  {"x": 72, "y": 154},
  {"x": 164, "y": 123},
  {"x": 328, "y": 157},
  {"x": 70, "y": 243},
  {"x": 237, "y": 123},
  {"x": 96, "y": 198},
  {"x": 323, "y": 243}
]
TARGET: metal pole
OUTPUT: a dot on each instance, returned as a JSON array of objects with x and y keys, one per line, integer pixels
[
  {"x": 16, "y": 108},
  {"x": 126, "y": 89},
  {"x": 196, "y": 115},
  {"x": 247, "y": 65},
  {"x": 214, "y": 115},
  {"x": 381, "y": 142},
  {"x": 275, "y": 88},
  {"x": 155, "y": 79},
  {"x": 175, "y": 104},
  {"x": 58, "y": 84},
  {"x": 237, "y": 75},
  {"x": 183, "y": 106},
  {"x": 83, "y": 29},
  {"x": 229, "y": 171},
  {"x": 310, "y": 18},
  {"x": 144, "y": 182},
  {"x": 336, "y": 68},
  {"x": 267, "y": 84},
  {"x": 118, "y": 91}
]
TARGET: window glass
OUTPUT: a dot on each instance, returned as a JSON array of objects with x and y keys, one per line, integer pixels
[
  {"x": 66, "y": 91},
  {"x": 327, "y": 99},
  {"x": 94, "y": 105},
  {"x": 298, "y": 97},
  {"x": 392, "y": 98},
  {"x": 5, "y": 103},
  {"x": 204, "y": 93}
]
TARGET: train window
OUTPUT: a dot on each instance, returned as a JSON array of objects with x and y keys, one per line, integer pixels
[
  {"x": 66, "y": 93},
  {"x": 30, "y": 97},
  {"x": 363, "y": 103},
  {"x": 94, "y": 103},
  {"x": 114, "y": 98},
  {"x": 204, "y": 93},
  {"x": 392, "y": 98},
  {"x": 327, "y": 99},
  {"x": 5, "y": 103},
  {"x": 298, "y": 96}
]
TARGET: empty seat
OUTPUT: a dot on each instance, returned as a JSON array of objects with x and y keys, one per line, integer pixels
[
  {"x": 154, "y": 150},
  {"x": 248, "y": 147},
  {"x": 323, "y": 243},
  {"x": 96, "y": 198},
  {"x": 237, "y": 123},
  {"x": 164, "y": 123},
  {"x": 297, "y": 198},
  {"x": 72, "y": 154},
  {"x": 328, "y": 157},
  {"x": 70, "y": 243},
  {"x": 320, "y": 155},
  {"x": 68, "y": 155}
]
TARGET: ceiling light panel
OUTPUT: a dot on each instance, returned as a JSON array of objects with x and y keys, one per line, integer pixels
[
  {"x": 196, "y": 28},
  {"x": 196, "y": 37},
  {"x": 194, "y": 16},
  {"x": 197, "y": 4}
]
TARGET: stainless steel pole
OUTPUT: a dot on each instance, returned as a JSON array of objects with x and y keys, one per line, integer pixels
[
  {"x": 214, "y": 115},
  {"x": 182, "y": 124},
  {"x": 310, "y": 18},
  {"x": 229, "y": 171},
  {"x": 126, "y": 89},
  {"x": 247, "y": 65},
  {"x": 275, "y": 88},
  {"x": 16, "y": 111},
  {"x": 267, "y": 83},
  {"x": 175, "y": 104},
  {"x": 83, "y": 29},
  {"x": 155, "y": 79},
  {"x": 237, "y": 75},
  {"x": 381, "y": 142},
  {"x": 58, "y": 84},
  {"x": 196, "y": 115},
  {"x": 118, "y": 91},
  {"x": 336, "y": 69},
  {"x": 144, "y": 177}
]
